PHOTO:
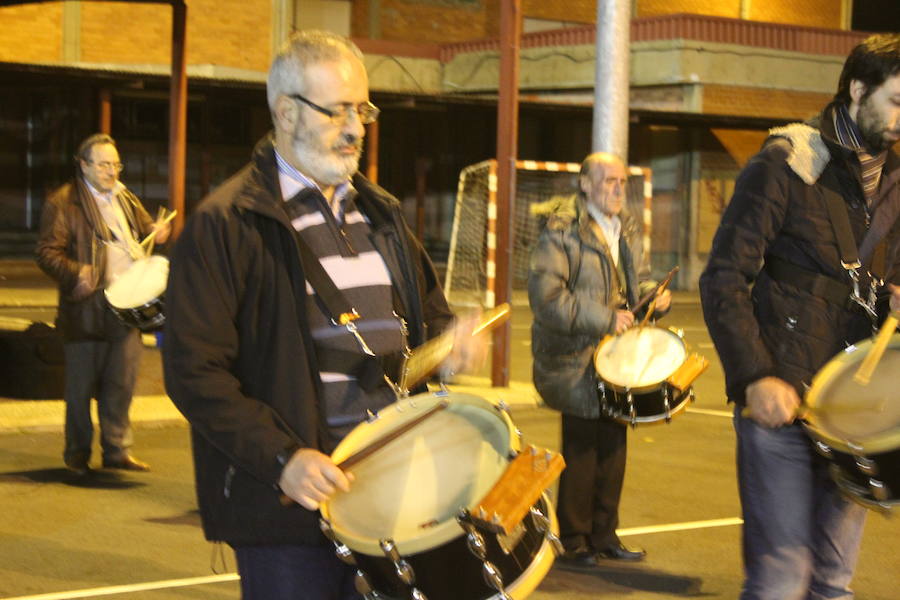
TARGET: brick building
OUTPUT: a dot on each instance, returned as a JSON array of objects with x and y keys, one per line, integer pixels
[{"x": 708, "y": 77}]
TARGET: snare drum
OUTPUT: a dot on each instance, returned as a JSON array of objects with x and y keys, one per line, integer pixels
[
  {"x": 857, "y": 427},
  {"x": 399, "y": 522},
  {"x": 645, "y": 375},
  {"x": 136, "y": 296}
]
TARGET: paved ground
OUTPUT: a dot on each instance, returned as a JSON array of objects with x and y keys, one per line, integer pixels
[{"x": 136, "y": 536}]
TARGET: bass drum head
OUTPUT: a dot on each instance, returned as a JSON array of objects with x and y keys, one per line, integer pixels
[
  {"x": 411, "y": 490},
  {"x": 845, "y": 412},
  {"x": 142, "y": 282},
  {"x": 641, "y": 357}
]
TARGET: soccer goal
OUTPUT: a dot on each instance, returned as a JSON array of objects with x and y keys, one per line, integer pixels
[{"x": 471, "y": 263}]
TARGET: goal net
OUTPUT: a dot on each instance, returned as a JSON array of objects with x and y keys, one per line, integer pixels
[{"x": 471, "y": 264}]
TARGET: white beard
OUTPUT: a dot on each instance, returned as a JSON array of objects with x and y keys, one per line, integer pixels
[{"x": 325, "y": 165}]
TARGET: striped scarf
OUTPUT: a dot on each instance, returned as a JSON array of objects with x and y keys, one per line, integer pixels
[{"x": 849, "y": 136}]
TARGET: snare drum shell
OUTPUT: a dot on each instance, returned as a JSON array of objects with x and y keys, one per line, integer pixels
[{"x": 452, "y": 572}]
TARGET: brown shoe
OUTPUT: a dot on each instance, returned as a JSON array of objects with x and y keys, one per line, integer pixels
[{"x": 126, "y": 463}]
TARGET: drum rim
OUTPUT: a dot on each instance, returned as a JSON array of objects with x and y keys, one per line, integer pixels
[
  {"x": 875, "y": 444},
  {"x": 442, "y": 532},
  {"x": 656, "y": 419},
  {"x": 537, "y": 570},
  {"x": 644, "y": 388}
]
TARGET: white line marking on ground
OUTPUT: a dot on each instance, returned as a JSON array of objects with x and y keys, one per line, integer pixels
[
  {"x": 705, "y": 345},
  {"x": 136, "y": 587},
  {"x": 709, "y": 411},
  {"x": 226, "y": 577},
  {"x": 680, "y": 526}
]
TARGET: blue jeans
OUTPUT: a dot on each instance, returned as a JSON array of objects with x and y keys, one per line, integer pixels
[
  {"x": 801, "y": 537},
  {"x": 292, "y": 572}
]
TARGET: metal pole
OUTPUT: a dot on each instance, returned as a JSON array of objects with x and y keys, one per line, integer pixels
[
  {"x": 105, "y": 111},
  {"x": 610, "y": 126},
  {"x": 372, "y": 136},
  {"x": 507, "y": 142},
  {"x": 178, "y": 115}
]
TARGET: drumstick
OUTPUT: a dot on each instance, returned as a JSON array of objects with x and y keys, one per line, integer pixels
[
  {"x": 379, "y": 443},
  {"x": 659, "y": 289},
  {"x": 879, "y": 345},
  {"x": 149, "y": 238}
]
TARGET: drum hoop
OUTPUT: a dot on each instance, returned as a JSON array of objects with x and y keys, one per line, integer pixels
[
  {"x": 644, "y": 388},
  {"x": 442, "y": 532},
  {"x": 656, "y": 419},
  {"x": 875, "y": 444},
  {"x": 540, "y": 565}
]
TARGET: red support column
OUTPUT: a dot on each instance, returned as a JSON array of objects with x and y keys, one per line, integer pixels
[
  {"x": 178, "y": 114},
  {"x": 507, "y": 142},
  {"x": 105, "y": 123}
]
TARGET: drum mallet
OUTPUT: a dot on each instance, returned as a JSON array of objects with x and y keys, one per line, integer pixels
[{"x": 867, "y": 367}]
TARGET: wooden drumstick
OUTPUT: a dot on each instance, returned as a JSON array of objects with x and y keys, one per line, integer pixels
[
  {"x": 655, "y": 292},
  {"x": 148, "y": 241},
  {"x": 379, "y": 443},
  {"x": 879, "y": 345}
]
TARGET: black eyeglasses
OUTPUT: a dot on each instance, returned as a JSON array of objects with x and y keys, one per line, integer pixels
[
  {"x": 106, "y": 166},
  {"x": 367, "y": 112}
]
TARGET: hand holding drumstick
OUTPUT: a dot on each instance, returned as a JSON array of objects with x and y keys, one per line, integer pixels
[{"x": 162, "y": 228}]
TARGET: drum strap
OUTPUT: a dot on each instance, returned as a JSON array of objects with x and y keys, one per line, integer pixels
[
  {"x": 818, "y": 285},
  {"x": 365, "y": 366}
]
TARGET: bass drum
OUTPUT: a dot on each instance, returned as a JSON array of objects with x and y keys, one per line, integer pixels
[
  {"x": 399, "y": 524},
  {"x": 857, "y": 427}
]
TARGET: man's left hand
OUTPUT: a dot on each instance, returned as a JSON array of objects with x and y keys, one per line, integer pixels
[
  {"x": 895, "y": 297},
  {"x": 664, "y": 300},
  {"x": 163, "y": 230}
]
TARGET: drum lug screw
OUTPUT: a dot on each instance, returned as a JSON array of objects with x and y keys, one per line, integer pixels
[
  {"x": 363, "y": 586},
  {"x": 823, "y": 449},
  {"x": 866, "y": 465},
  {"x": 493, "y": 577},
  {"x": 879, "y": 491},
  {"x": 476, "y": 545},
  {"x": 417, "y": 594},
  {"x": 390, "y": 550}
]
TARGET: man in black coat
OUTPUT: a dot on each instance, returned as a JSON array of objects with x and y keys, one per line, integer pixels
[
  {"x": 267, "y": 375},
  {"x": 779, "y": 304}
]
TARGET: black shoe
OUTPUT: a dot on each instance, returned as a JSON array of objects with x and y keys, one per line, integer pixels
[
  {"x": 78, "y": 464},
  {"x": 620, "y": 552},
  {"x": 126, "y": 463},
  {"x": 580, "y": 559}
]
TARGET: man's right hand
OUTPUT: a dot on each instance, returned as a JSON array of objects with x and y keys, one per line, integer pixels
[
  {"x": 772, "y": 402},
  {"x": 624, "y": 320},
  {"x": 310, "y": 477},
  {"x": 85, "y": 286}
]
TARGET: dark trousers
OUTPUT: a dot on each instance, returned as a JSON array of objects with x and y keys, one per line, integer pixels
[
  {"x": 107, "y": 371},
  {"x": 292, "y": 572},
  {"x": 591, "y": 484}
]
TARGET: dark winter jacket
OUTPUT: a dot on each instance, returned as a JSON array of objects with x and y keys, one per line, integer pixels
[
  {"x": 764, "y": 326},
  {"x": 238, "y": 356},
  {"x": 573, "y": 304},
  {"x": 71, "y": 236}
]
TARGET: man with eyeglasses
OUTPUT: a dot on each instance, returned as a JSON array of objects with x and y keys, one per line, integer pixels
[
  {"x": 256, "y": 357},
  {"x": 90, "y": 233}
]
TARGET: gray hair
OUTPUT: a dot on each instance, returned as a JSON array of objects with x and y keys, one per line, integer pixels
[
  {"x": 300, "y": 50},
  {"x": 84, "y": 148}
]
